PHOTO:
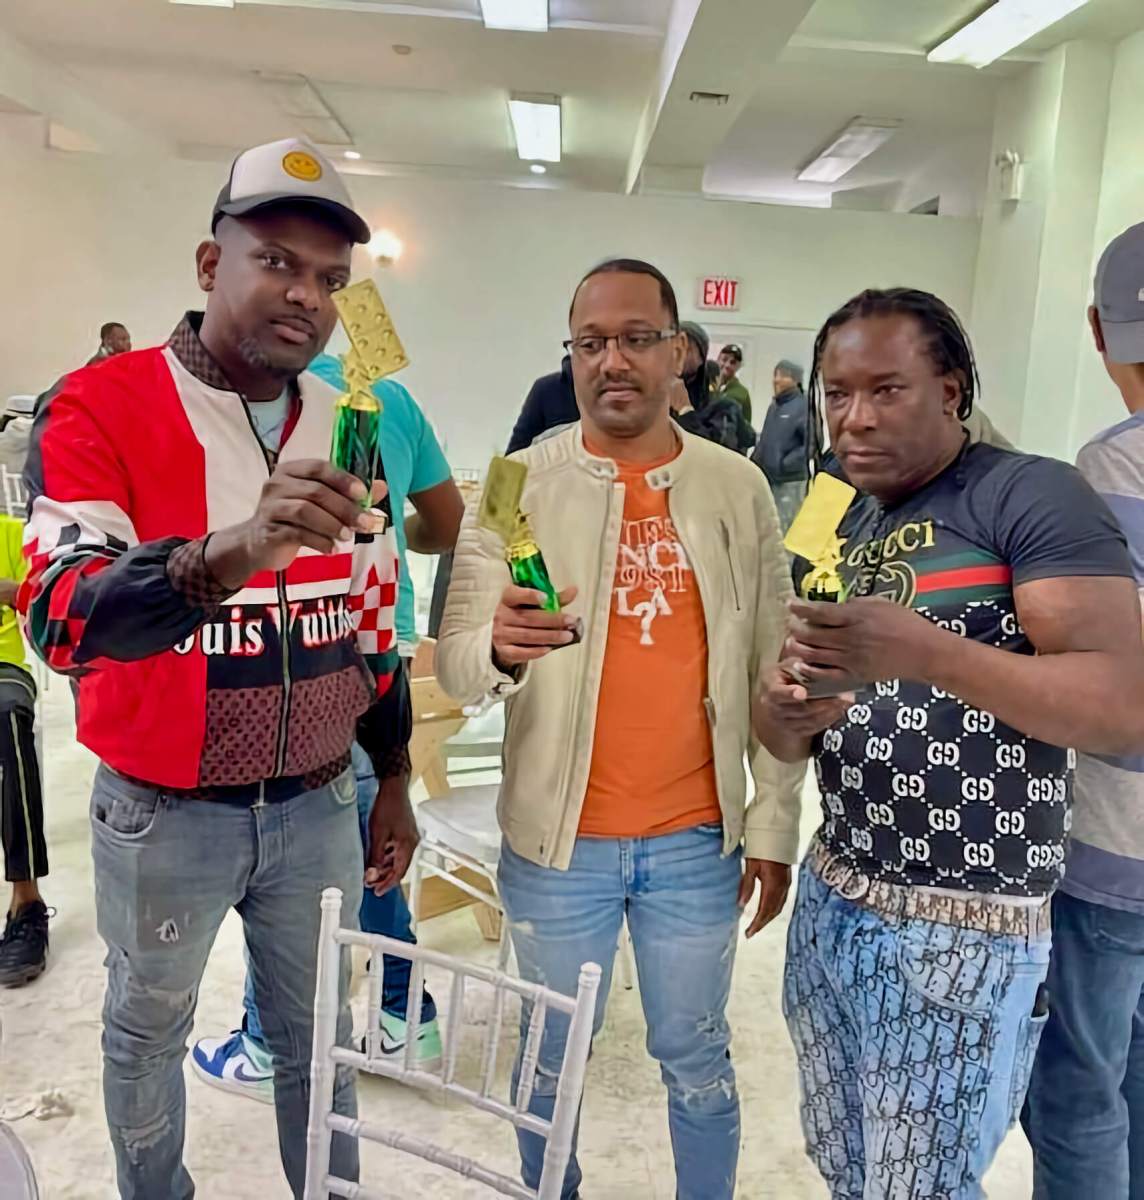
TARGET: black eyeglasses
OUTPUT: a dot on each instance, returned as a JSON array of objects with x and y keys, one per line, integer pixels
[{"x": 639, "y": 341}]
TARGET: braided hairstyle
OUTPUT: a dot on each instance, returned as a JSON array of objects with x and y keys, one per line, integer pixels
[{"x": 948, "y": 346}]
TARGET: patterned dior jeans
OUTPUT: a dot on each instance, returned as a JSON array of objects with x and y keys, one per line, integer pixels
[{"x": 915, "y": 1040}]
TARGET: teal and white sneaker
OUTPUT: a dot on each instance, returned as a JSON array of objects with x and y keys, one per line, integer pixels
[
  {"x": 393, "y": 1041},
  {"x": 237, "y": 1064}
]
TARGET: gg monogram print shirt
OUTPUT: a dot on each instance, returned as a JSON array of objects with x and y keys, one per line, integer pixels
[{"x": 918, "y": 787}]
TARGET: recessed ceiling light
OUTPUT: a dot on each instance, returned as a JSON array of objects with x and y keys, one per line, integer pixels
[
  {"x": 536, "y": 124},
  {"x": 1004, "y": 27},
  {"x": 529, "y": 15},
  {"x": 538, "y": 169},
  {"x": 857, "y": 141},
  {"x": 351, "y": 154}
]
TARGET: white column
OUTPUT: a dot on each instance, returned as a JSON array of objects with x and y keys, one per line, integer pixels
[{"x": 1035, "y": 257}]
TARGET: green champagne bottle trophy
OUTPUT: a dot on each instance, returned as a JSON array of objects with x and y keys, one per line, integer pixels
[
  {"x": 501, "y": 513},
  {"x": 375, "y": 352},
  {"x": 813, "y": 535}
]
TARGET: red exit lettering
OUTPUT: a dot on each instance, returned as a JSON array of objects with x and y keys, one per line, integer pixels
[{"x": 719, "y": 293}]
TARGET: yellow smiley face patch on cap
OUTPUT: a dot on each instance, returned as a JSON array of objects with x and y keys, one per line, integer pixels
[{"x": 300, "y": 165}]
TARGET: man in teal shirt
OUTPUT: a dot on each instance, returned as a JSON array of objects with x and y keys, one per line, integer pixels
[{"x": 416, "y": 470}]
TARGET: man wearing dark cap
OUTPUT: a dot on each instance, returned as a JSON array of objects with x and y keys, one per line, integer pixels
[
  {"x": 696, "y": 378},
  {"x": 728, "y": 385},
  {"x": 226, "y": 605},
  {"x": 1085, "y": 1112},
  {"x": 782, "y": 451}
]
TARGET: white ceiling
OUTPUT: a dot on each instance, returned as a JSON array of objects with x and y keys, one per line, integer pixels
[{"x": 187, "y": 78}]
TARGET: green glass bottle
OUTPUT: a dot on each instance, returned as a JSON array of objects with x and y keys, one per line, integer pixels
[
  {"x": 357, "y": 438},
  {"x": 526, "y": 564}
]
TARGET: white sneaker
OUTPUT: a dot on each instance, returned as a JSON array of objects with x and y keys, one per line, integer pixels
[{"x": 236, "y": 1063}]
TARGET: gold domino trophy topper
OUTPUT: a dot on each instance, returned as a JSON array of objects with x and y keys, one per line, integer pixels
[
  {"x": 375, "y": 352},
  {"x": 813, "y": 535},
  {"x": 500, "y": 512}
]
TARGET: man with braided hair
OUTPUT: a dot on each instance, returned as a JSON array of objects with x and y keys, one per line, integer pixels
[{"x": 944, "y": 728}]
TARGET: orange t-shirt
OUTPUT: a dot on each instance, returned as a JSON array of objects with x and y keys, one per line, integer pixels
[{"x": 653, "y": 771}]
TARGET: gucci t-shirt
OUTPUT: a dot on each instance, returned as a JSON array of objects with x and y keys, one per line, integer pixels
[{"x": 917, "y": 786}]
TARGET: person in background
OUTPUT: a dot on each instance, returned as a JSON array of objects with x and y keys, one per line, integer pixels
[
  {"x": 113, "y": 339},
  {"x": 697, "y": 408},
  {"x": 728, "y": 384},
  {"x": 783, "y": 446},
  {"x": 550, "y": 402},
  {"x": 15, "y": 436},
  {"x": 24, "y": 944},
  {"x": 695, "y": 377},
  {"x": 992, "y": 621},
  {"x": 624, "y": 791},
  {"x": 415, "y": 469},
  {"x": 1085, "y": 1111},
  {"x": 227, "y": 605}
]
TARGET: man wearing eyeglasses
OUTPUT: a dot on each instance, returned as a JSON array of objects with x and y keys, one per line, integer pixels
[{"x": 624, "y": 792}]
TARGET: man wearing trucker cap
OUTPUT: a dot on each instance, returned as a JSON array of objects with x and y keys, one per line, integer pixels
[{"x": 226, "y": 606}]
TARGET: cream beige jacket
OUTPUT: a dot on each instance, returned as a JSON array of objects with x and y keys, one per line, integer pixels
[{"x": 725, "y": 519}]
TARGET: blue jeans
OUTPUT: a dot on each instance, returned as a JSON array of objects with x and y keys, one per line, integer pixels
[
  {"x": 167, "y": 870},
  {"x": 914, "y": 1042},
  {"x": 388, "y": 915},
  {"x": 1085, "y": 1112},
  {"x": 680, "y": 897}
]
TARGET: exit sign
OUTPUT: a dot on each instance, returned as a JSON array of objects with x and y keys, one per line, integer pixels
[{"x": 719, "y": 292}]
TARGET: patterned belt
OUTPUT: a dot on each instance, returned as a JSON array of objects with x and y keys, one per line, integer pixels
[
  {"x": 900, "y": 902},
  {"x": 247, "y": 795}
]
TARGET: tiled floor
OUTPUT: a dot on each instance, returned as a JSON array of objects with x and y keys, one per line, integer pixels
[{"x": 51, "y": 1044}]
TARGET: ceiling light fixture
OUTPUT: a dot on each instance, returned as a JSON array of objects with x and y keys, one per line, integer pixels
[
  {"x": 385, "y": 247},
  {"x": 529, "y": 15},
  {"x": 207, "y": 3},
  {"x": 538, "y": 169},
  {"x": 857, "y": 141},
  {"x": 1004, "y": 27},
  {"x": 536, "y": 124},
  {"x": 351, "y": 154}
]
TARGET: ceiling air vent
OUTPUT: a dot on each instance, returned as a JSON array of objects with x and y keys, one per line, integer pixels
[{"x": 715, "y": 99}]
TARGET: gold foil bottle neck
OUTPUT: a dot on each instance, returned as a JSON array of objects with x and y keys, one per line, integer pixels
[{"x": 522, "y": 544}]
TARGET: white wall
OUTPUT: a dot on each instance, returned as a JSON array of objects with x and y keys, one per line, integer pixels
[
  {"x": 1034, "y": 264},
  {"x": 480, "y": 297},
  {"x": 1098, "y": 403},
  {"x": 1008, "y": 261},
  {"x": 1059, "y": 340}
]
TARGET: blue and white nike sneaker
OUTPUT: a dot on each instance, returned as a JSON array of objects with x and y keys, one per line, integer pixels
[{"x": 237, "y": 1063}]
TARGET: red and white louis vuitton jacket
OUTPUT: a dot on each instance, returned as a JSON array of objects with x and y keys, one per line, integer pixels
[{"x": 133, "y": 462}]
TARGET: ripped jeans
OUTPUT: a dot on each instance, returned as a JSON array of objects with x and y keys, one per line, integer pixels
[
  {"x": 167, "y": 871},
  {"x": 680, "y": 896}
]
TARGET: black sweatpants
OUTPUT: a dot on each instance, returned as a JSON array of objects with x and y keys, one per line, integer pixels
[{"x": 21, "y": 797}]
